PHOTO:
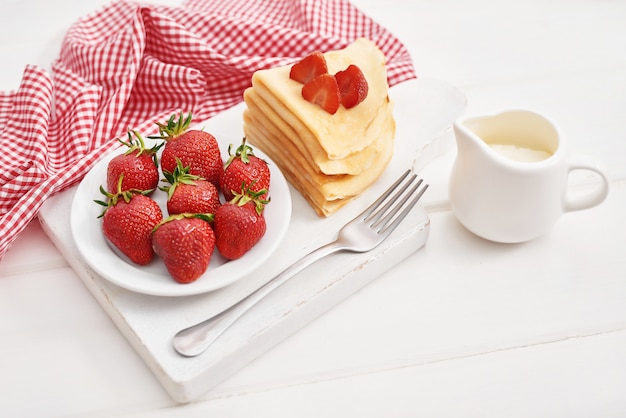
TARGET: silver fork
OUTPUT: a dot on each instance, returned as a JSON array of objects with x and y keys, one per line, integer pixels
[{"x": 362, "y": 234}]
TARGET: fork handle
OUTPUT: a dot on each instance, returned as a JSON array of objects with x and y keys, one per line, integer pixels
[{"x": 195, "y": 339}]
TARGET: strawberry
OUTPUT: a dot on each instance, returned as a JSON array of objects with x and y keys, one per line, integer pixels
[
  {"x": 309, "y": 67},
  {"x": 244, "y": 170},
  {"x": 197, "y": 149},
  {"x": 353, "y": 86},
  {"x": 323, "y": 91},
  {"x": 185, "y": 242},
  {"x": 187, "y": 193},
  {"x": 127, "y": 222},
  {"x": 239, "y": 224},
  {"x": 138, "y": 165}
]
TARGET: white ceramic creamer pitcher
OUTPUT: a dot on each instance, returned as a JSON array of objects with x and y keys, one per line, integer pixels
[{"x": 509, "y": 182}]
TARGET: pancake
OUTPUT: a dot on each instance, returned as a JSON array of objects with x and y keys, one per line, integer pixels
[
  {"x": 319, "y": 186},
  {"x": 340, "y": 134},
  {"x": 329, "y": 158},
  {"x": 352, "y": 164}
]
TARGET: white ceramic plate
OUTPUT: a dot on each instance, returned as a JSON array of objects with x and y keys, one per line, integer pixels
[{"x": 154, "y": 278}]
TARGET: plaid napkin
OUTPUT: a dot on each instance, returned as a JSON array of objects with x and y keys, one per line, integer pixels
[{"x": 129, "y": 64}]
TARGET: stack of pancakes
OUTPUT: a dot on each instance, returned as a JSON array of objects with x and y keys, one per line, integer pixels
[{"x": 328, "y": 158}]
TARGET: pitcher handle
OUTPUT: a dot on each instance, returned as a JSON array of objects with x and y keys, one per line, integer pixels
[{"x": 590, "y": 198}]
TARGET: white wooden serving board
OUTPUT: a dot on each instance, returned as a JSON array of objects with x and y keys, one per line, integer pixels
[{"x": 424, "y": 112}]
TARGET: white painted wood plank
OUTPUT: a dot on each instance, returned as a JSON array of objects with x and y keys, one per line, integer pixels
[
  {"x": 20, "y": 260},
  {"x": 576, "y": 378},
  {"x": 62, "y": 354}
]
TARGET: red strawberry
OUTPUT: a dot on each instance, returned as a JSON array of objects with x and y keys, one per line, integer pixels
[
  {"x": 308, "y": 67},
  {"x": 185, "y": 242},
  {"x": 187, "y": 193},
  {"x": 137, "y": 164},
  {"x": 239, "y": 224},
  {"x": 127, "y": 222},
  {"x": 323, "y": 91},
  {"x": 198, "y": 150},
  {"x": 244, "y": 170},
  {"x": 353, "y": 86}
]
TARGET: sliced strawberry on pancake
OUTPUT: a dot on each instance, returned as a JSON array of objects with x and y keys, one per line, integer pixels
[
  {"x": 309, "y": 67},
  {"x": 323, "y": 91},
  {"x": 352, "y": 86}
]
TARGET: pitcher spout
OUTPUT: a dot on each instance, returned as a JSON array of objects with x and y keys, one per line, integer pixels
[{"x": 467, "y": 141}]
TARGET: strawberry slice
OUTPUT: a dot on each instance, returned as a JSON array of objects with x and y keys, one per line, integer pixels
[
  {"x": 308, "y": 67},
  {"x": 352, "y": 86},
  {"x": 323, "y": 91}
]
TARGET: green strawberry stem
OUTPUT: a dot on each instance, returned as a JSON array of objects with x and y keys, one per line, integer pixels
[
  {"x": 180, "y": 175},
  {"x": 208, "y": 217},
  {"x": 113, "y": 198},
  {"x": 136, "y": 143},
  {"x": 243, "y": 152},
  {"x": 173, "y": 127},
  {"x": 246, "y": 196}
]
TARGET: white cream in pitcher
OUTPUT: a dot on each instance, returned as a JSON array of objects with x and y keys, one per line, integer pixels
[{"x": 522, "y": 154}]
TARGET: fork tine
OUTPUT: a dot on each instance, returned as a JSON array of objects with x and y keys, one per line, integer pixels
[
  {"x": 392, "y": 221},
  {"x": 384, "y": 209},
  {"x": 374, "y": 208},
  {"x": 397, "y": 201}
]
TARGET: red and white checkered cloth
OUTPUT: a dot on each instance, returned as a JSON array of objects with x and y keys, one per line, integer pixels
[{"x": 129, "y": 64}]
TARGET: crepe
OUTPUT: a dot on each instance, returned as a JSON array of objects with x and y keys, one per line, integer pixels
[
  {"x": 344, "y": 132},
  {"x": 318, "y": 188},
  {"x": 297, "y": 133},
  {"x": 328, "y": 158}
]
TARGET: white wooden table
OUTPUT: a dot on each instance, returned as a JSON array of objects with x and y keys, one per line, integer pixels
[{"x": 464, "y": 327}]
